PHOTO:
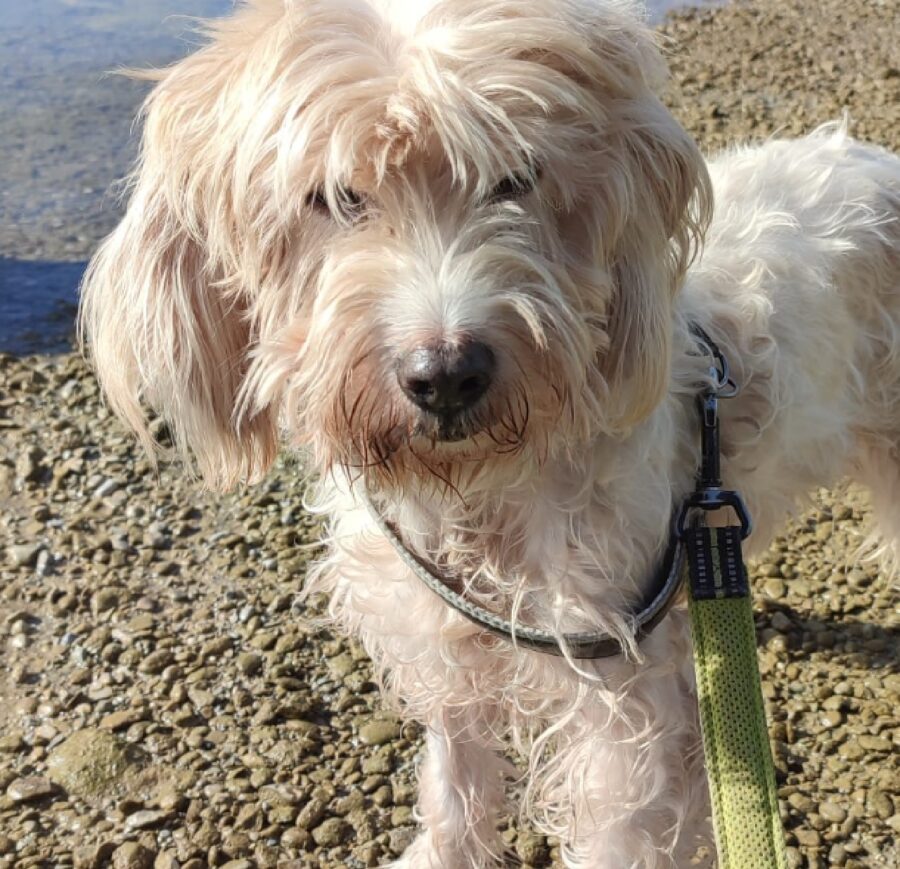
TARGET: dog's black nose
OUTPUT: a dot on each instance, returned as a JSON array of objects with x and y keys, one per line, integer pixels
[{"x": 444, "y": 379}]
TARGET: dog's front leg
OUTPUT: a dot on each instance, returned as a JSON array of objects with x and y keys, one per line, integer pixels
[
  {"x": 461, "y": 791},
  {"x": 627, "y": 786}
]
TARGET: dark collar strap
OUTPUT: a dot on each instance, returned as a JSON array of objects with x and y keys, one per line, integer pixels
[{"x": 589, "y": 644}]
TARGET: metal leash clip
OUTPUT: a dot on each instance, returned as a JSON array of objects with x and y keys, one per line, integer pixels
[{"x": 709, "y": 494}]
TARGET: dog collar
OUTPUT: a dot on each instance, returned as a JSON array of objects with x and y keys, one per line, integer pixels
[{"x": 708, "y": 495}]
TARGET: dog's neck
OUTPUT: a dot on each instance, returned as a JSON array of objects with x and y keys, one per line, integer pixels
[{"x": 581, "y": 531}]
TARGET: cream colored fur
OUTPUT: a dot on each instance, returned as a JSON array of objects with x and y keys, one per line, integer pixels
[{"x": 246, "y": 311}]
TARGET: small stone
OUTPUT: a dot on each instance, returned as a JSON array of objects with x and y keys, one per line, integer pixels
[
  {"x": 381, "y": 762},
  {"x": 91, "y": 761},
  {"x": 801, "y": 803},
  {"x": 106, "y": 599},
  {"x": 133, "y": 855},
  {"x": 831, "y": 718},
  {"x": 342, "y": 665},
  {"x": 832, "y": 812},
  {"x": 874, "y": 743},
  {"x": 250, "y": 663},
  {"x": 166, "y": 860},
  {"x": 35, "y": 787},
  {"x": 379, "y": 732},
  {"x": 145, "y": 819},
  {"x": 774, "y": 588},
  {"x": 106, "y": 488},
  {"x": 264, "y": 640},
  {"x": 808, "y": 838},
  {"x": 400, "y": 839},
  {"x": 216, "y": 648},
  {"x": 331, "y": 832},
  {"x": 12, "y": 743},
  {"x": 295, "y": 838},
  {"x": 157, "y": 661},
  {"x": 23, "y": 555},
  {"x": 122, "y": 719},
  {"x": 401, "y": 816},
  {"x": 881, "y": 804}
]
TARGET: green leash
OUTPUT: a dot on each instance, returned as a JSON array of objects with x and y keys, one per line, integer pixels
[{"x": 732, "y": 716}]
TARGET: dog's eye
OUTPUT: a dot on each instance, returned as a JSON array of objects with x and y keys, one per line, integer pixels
[
  {"x": 350, "y": 204},
  {"x": 514, "y": 186}
]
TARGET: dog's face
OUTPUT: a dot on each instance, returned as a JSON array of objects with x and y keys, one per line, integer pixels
[{"x": 419, "y": 240}]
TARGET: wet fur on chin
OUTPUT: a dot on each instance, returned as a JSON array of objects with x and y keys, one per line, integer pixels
[{"x": 328, "y": 184}]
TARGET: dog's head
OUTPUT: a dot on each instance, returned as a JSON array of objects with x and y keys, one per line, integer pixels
[{"x": 416, "y": 236}]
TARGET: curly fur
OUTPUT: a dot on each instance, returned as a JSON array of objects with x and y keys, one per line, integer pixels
[{"x": 249, "y": 297}]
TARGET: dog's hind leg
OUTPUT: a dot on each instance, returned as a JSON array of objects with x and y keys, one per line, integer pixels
[
  {"x": 879, "y": 470},
  {"x": 461, "y": 791}
]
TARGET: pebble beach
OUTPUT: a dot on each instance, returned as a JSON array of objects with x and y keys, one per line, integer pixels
[{"x": 165, "y": 699}]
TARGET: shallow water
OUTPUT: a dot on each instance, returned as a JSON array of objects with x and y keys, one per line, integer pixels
[{"x": 65, "y": 138}]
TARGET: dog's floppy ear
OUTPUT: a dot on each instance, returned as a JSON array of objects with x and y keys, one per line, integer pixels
[
  {"x": 665, "y": 204},
  {"x": 164, "y": 308}
]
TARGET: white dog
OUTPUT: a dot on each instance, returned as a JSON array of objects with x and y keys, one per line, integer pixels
[{"x": 446, "y": 247}]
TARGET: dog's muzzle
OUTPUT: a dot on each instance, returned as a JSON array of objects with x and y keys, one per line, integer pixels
[{"x": 445, "y": 381}]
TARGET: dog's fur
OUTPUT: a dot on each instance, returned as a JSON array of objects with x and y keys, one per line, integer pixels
[{"x": 247, "y": 293}]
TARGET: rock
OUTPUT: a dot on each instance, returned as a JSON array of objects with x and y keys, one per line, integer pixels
[
  {"x": 23, "y": 554},
  {"x": 29, "y": 467},
  {"x": 342, "y": 665},
  {"x": 13, "y": 742},
  {"x": 808, "y": 838},
  {"x": 832, "y": 812},
  {"x": 249, "y": 663},
  {"x": 774, "y": 588},
  {"x": 91, "y": 762},
  {"x": 381, "y": 762},
  {"x": 106, "y": 599},
  {"x": 831, "y": 718},
  {"x": 123, "y": 718},
  {"x": 166, "y": 860},
  {"x": 379, "y": 732},
  {"x": 331, "y": 832},
  {"x": 216, "y": 648},
  {"x": 133, "y": 855},
  {"x": 881, "y": 804},
  {"x": 401, "y": 816},
  {"x": 145, "y": 819},
  {"x": 801, "y": 803},
  {"x": 30, "y": 788},
  {"x": 874, "y": 743},
  {"x": 400, "y": 839},
  {"x": 157, "y": 661}
]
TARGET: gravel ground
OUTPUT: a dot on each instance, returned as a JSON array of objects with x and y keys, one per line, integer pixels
[{"x": 166, "y": 702}]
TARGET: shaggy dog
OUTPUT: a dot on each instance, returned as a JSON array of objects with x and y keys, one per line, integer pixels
[{"x": 452, "y": 249}]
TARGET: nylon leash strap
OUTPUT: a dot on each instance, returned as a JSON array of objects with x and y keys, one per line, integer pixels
[
  {"x": 732, "y": 717},
  {"x": 729, "y": 691}
]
